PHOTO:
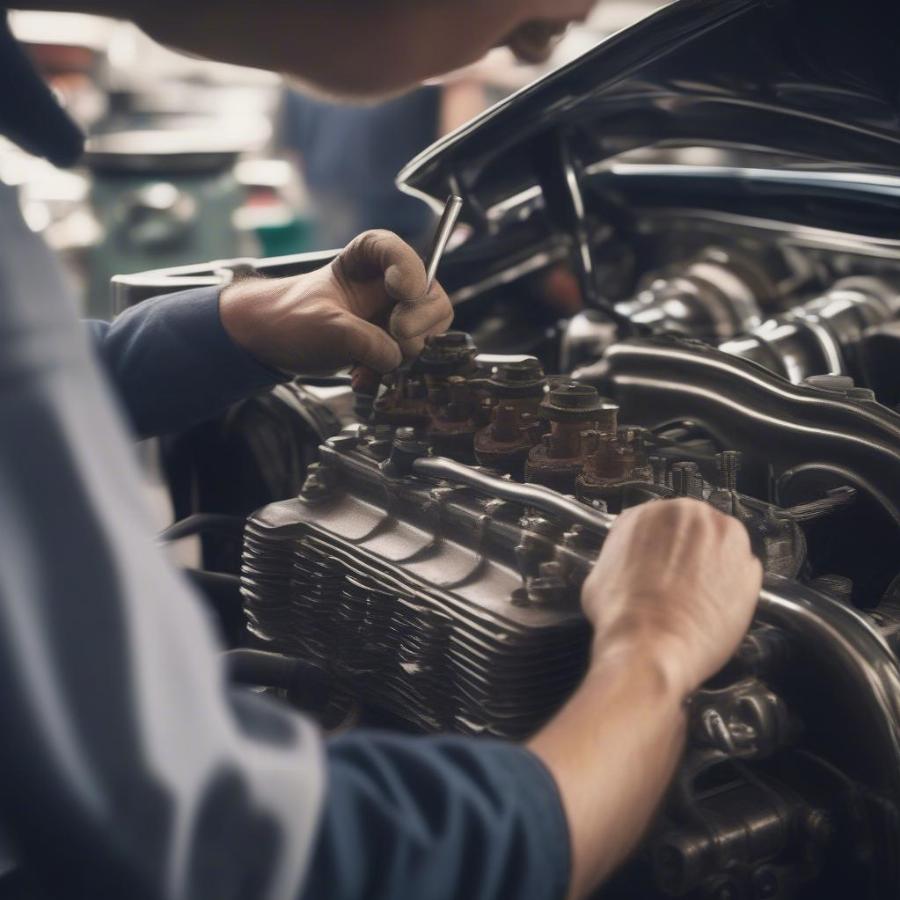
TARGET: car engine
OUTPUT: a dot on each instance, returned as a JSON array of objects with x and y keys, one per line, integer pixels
[
  {"x": 432, "y": 561},
  {"x": 679, "y": 276}
]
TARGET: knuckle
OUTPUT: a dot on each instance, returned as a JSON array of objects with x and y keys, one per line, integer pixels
[
  {"x": 374, "y": 236},
  {"x": 366, "y": 246}
]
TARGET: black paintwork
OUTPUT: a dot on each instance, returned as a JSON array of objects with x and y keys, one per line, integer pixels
[{"x": 810, "y": 84}]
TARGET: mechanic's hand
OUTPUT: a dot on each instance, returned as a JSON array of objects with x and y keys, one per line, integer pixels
[
  {"x": 675, "y": 579},
  {"x": 367, "y": 307}
]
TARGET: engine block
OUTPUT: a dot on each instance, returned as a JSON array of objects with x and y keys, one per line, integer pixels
[
  {"x": 411, "y": 594},
  {"x": 443, "y": 595}
]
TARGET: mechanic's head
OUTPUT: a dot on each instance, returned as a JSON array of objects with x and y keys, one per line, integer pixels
[{"x": 360, "y": 48}]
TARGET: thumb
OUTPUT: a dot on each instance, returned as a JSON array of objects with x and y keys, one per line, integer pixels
[
  {"x": 373, "y": 347},
  {"x": 412, "y": 322}
]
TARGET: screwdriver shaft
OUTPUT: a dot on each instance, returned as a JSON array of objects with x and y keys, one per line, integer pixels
[{"x": 444, "y": 229}]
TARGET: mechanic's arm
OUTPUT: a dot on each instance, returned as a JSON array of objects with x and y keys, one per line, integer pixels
[
  {"x": 132, "y": 770},
  {"x": 179, "y": 359},
  {"x": 670, "y": 598}
]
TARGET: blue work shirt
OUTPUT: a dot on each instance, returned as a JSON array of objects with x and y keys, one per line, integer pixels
[
  {"x": 403, "y": 817},
  {"x": 130, "y": 768}
]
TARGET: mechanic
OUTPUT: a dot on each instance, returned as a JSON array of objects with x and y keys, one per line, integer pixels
[{"x": 128, "y": 768}]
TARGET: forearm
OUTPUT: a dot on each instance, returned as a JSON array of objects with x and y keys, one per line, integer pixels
[{"x": 612, "y": 750}]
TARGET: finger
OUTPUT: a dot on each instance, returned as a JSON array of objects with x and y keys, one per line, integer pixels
[
  {"x": 382, "y": 254},
  {"x": 412, "y": 322},
  {"x": 412, "y": 347},
  {"x": 364, "y": 380},
  {"x": 373, "y": 347}
]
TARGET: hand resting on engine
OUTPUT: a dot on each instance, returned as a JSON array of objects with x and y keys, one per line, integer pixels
[{"x": 670, "y": 599}]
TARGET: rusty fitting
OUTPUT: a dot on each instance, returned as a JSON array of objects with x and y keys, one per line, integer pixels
[
  {"x": 523, "y": 379},
  {"x": 612, "y": 461},
  {"x": 402, "y": 402},
  {"x": 450, "y": 353},
  {"x": 572, "y": 409},
  {"x": 578, "y": 417},
  {"x": 570, "y": 401},
  {"x": 505, "y": 442},
  {"x": 459, "y": 399},
  {"x": 505, "y": 424}
]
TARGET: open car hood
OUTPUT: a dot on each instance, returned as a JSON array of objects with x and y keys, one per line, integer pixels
[{"x": 807, "y": 86}]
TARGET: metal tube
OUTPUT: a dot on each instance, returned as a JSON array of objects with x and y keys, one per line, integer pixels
[
  {"x": 444, "y": 229},
  {"x": 548, "y": 501}
]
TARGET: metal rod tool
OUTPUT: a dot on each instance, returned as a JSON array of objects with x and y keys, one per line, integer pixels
[{"x": 444, "y": 229}]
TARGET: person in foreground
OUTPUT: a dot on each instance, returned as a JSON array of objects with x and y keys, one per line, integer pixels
[{"x": 129, "y": 767}]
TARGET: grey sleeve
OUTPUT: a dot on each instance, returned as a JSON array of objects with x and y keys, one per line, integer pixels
[{"x": 127, "y": 768}]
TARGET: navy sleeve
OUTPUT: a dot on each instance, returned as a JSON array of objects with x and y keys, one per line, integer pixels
[
  {"x": 440, "y": 818},
  {"x": 173, "y": 364}
]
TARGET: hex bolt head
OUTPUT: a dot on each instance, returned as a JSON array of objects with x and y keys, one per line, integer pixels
[
  {"x": 520, "y": 378},
  {"x": 450, "y": 339}
]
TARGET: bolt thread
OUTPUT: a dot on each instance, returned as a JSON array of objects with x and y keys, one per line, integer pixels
[
  {"x": 729, "y": 463},
  {"x": 687, "y": 480}
]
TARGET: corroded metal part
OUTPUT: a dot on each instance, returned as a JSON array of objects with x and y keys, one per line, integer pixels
[
  {"x": 505, "y": 443},
  {"x": 578, "y": 418}
]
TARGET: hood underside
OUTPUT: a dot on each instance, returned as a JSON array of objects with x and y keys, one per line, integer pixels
[{"x": 805, "y": 85}]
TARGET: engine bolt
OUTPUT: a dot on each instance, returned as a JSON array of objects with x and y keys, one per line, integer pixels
[
  {"x": 506, "y": 423},
  {"x": 729, "y": 463},
  {"x": 524, "y": 378},
  {"x": 687, "y": 480},
  {"x": 660, "y": 470}
]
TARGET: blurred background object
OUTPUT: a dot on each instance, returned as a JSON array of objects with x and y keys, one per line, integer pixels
[{"x": 190, "y": 160}]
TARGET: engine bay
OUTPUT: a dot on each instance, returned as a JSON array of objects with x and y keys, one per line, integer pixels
[
  {"x": 419, "y": 553},
  {"x": 679, "y": 276},
  {"x": 432, "y": 560}
]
